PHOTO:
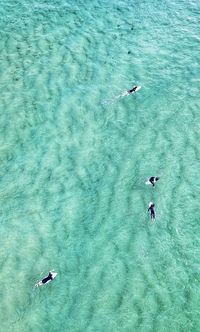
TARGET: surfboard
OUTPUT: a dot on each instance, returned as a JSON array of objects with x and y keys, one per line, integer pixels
[
  {"x": 40, "y": 283},
  {"x": 148, "y": 182},
  {"x": 54, "y": 274}
]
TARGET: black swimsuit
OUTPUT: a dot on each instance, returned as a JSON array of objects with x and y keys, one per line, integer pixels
[
  {"x": 132, "y": 90},
  {"x": 44, "y": 281},
  {"x": 152, "y": 180},
  {"x": 152, "y": 211}
]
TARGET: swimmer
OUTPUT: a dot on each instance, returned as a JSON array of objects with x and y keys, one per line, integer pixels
[
  {"x": 151, "y": 209},
  {"x": 152, "y": 180},
  {"x": 47, "y": 279},
  {"x": 134, "y": 89}
]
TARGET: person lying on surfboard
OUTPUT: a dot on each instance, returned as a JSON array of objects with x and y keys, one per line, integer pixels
[
  {"x": 47, "y": 279},
  {"x": 134, "y": 89},
  {"x": 152, "y": 180}
]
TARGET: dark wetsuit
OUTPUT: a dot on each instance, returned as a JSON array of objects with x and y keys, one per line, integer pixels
[
  {"x": 152, "y": 211},
  {"x": 44, "y": 281},
  {"x": 132, "y": 90},
  {"x": 153, "y": 180}
]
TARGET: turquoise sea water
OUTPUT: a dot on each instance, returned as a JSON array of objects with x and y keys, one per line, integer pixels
[{"x": 74, "y": 160}]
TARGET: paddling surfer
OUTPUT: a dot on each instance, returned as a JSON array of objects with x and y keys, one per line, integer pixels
[{"x": 151, "y": 210}]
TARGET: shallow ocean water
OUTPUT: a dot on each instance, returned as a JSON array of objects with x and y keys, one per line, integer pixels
[{"x": 75, "y": 158}]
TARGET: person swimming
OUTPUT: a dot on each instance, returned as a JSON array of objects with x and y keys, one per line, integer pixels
[
  {"x": 134, "y": 89},
  {"x": 123, "y": 94},
  {"x": 151, "y": 210},
  {"x": 152, "y": 180},
  {"x": 47, "y": 279}
]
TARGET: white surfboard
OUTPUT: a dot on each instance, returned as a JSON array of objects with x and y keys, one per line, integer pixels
[
  {"x": 148, "y": 182},
  {"x": 138, "y": 88},
  {"x": 40, "y": 283},
  {"x": 124, "y": 94}
]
